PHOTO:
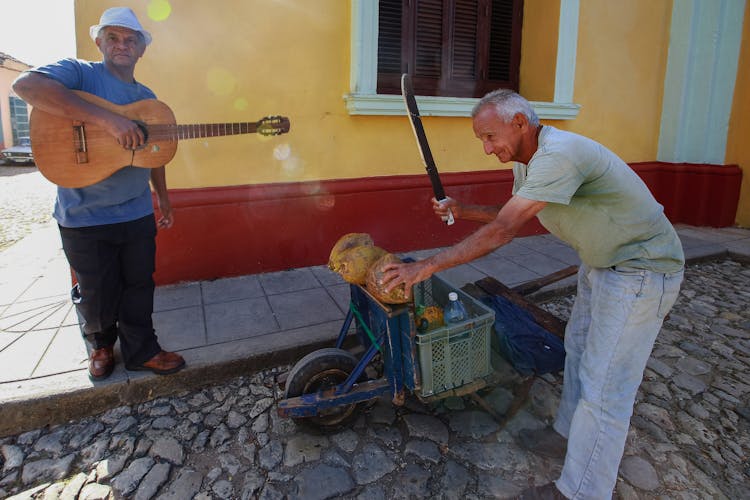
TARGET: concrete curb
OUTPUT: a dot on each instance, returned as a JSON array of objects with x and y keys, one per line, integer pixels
[
  {"x": 55, "y": 406},
  {"x": 34, "y": 403}
]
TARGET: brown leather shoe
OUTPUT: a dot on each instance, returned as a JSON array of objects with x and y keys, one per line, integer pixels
[
  {"x": 163, "y": 363},
  {"x": 101, "y": 363},
  {"x": 545, "y": 442},
  {"x": 547, "y": 492}
]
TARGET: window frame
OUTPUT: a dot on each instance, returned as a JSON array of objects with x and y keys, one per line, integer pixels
[
  {"x": 363, "y": 98},
  {"x": 19, "y": 118}
]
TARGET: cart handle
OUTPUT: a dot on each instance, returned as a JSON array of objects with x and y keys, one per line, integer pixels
[{"x": 364, "y": 326}]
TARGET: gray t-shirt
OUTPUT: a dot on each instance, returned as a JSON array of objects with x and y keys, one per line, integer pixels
[{"x": 597, "y": 204}]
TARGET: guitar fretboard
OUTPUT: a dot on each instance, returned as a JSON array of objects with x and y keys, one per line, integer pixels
[
  {"x": 215, "y": 129},
  {"x": 198, "y": 130}
]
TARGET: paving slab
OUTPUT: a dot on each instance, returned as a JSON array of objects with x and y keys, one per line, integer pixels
[{"x": 223, "y": 327}]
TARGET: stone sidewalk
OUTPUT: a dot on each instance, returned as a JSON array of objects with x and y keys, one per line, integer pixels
[
  {"x": 224, "y": 328},
  {"x": 689, "y": 437}
]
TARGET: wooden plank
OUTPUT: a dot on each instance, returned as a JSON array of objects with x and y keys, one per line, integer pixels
[{"x": 534, "y": 285}]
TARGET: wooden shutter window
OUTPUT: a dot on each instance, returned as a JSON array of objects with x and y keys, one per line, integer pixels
[
  {"x": 465, "y": 36},
  {"x": 389, "y": 37},
  {"x": 456, "y": 48},
  {"x": 501, "y": 41},
  {"x": 428, "y": 59}
]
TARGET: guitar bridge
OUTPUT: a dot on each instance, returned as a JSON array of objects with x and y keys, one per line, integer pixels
[{"x": 79, "y": 142}]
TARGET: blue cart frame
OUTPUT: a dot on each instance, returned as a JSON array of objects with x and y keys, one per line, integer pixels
[
  {"x": 381, "y": 328},
  {"x": 390, "y": 330}
]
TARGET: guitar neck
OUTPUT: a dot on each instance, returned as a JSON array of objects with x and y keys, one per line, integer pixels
[
  {"x": 199, "y": 130},
  {"x": 74, "y": 154}
]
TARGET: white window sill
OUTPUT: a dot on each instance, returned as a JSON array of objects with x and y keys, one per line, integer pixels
[{"x": 382, "y": 104}]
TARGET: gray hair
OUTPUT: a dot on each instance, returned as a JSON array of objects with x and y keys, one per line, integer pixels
[{"x": 507, "y": 104}]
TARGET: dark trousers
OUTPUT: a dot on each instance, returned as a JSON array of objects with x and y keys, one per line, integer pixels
[{"x": 114, "y": 266}]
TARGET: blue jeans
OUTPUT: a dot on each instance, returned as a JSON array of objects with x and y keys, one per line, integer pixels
[{"x": 613, "y": 325}]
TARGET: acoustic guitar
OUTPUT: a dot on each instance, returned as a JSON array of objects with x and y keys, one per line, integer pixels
[{"x": 75, "y": 154}]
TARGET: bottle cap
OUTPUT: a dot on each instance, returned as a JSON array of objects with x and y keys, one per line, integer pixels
[{"x": 452, "y": 296}]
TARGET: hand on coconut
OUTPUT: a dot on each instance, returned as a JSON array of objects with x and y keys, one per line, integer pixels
[{"x": 409, "y": 274}]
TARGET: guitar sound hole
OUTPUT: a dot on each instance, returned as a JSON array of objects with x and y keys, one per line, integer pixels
[{"x": 144, "y": 129}]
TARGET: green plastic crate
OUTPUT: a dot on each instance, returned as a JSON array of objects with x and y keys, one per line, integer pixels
[{"x": 453, "y": 355}]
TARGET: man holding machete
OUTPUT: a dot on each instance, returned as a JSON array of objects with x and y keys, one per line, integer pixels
[{"x": 630, "y": 274}]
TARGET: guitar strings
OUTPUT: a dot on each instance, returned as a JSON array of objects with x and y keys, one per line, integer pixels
[
  {"x": 94, "y": 137},
  {"x": 173, "y": 132}
]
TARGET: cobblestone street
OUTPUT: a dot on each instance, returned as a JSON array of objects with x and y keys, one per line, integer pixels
[
  {"x": 26, "y": 200},
  {"x": 689, "y": 437}
]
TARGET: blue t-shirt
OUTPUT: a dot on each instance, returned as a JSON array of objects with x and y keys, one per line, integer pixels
[{"x": 125, "y": 195}]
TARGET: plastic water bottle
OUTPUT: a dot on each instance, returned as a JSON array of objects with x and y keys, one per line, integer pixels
[{"x": 455, "y": 312}]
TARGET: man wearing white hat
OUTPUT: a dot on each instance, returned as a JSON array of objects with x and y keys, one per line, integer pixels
[{"x": 108, "y": 229}]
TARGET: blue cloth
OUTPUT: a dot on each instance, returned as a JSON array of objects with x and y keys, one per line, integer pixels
[
  {"x": 125, "y": 195},
  {"x": 522, "y": 341}
]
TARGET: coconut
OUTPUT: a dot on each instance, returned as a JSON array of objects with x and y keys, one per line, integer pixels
[
  {"x": 375, "y": 284},
  {"x": 346, "y": 242},
  {"x": 352, "y": 264}
]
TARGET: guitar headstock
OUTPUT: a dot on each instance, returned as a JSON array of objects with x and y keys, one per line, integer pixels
[{"x": 273, "y": 125}]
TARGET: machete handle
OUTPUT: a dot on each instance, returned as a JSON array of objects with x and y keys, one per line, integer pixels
[{"x": 448, "y": 219}]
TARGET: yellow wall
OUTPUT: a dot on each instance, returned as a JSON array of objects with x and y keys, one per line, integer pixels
[
  {"x": 738, "y": 148},
  {"x": 620, "y": 68},
  {"x": 539, "y": 49},
  {"x": 6, "y": 79},
  {"x": 239, "y": 61},
  {"x": 261, "y": 58}
]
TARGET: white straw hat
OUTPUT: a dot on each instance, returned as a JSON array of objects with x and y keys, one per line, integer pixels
[{"x": 119, "y": 16}]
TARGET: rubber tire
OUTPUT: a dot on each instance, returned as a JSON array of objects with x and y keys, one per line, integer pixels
[{"x": 318, "y": 370}]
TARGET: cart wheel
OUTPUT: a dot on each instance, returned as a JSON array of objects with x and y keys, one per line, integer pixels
[{"x": 320, "y": 370}]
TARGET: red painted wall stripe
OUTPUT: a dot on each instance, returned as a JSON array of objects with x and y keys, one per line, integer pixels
[{"x": 231, "y": 231}]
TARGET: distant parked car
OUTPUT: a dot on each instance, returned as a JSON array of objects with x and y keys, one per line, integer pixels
[{"x": 20, "y": 153}]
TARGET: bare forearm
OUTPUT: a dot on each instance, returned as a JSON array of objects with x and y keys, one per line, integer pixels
[
  {"x": 54, "y": 98},
  {"x": 479, "y": 213},
  {"x": 481, "y": 242},
  {"x": 500, "y": 230},
  {"x": 483, "y": 214},
  {"x": 159, "y": 181}
]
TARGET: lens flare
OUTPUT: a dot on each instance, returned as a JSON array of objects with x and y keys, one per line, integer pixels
[
  {"x": 220, "y": 81},
  {"x": 240, "y": 104},
  {"x": 313, "y": 189},
  {"x": 292, "y": 167},
  {"x": 282, "y": 152},
  {"x": 325, "y": 202},
  {"x": 159, "y": 10}
]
